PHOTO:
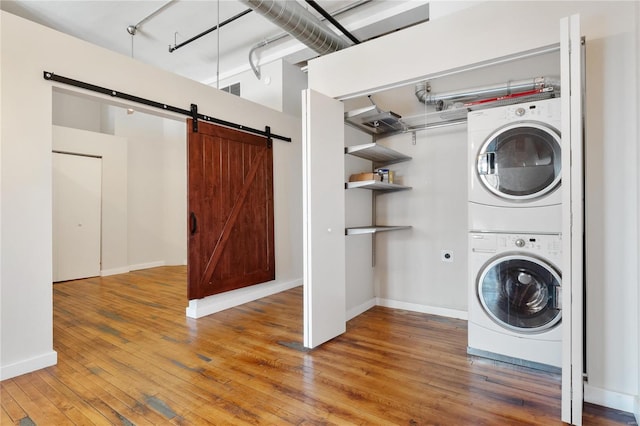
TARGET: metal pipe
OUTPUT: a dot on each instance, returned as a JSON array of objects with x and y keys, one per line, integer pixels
[
  {"x": 436, "y": 125},
  {"x": 300, "y": 23},
  {"x": 132, "y": 29},
  {"x": 423, "y": 94},
  {"x": 255, "y": 69},
  {"x": 333, "y": 21},
  {"x": 204, "y": 33}
]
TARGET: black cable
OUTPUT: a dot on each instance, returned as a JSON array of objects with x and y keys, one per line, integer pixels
[{"x": 333, "y": 21}]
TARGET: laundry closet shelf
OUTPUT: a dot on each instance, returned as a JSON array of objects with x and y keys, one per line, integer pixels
[
  {"x": 379, "y": 154},
  {"x": 358, "y": 230},
  {"x": 376, "y": 185}
]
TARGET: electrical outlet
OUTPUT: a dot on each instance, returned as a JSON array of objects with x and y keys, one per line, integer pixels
[{"x": 446, "y": 255}]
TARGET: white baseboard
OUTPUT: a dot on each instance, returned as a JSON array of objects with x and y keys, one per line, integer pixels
[
  {"x": 610, "y": 399},
  {"x": 210, "y": 305},
  {"x": 425, "y": 309},
  {"x": 357, "y": 310},
  {"x": 147, "y": 265},
  {"x": 114, "y": 271},
  {"x": 28, "y": 365}
]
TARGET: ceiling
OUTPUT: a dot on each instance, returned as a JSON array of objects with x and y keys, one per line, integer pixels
[{"x": 218, "y": 55}]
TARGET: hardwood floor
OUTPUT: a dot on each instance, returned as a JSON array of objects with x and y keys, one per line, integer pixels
[{"x": 128, "y": 355}]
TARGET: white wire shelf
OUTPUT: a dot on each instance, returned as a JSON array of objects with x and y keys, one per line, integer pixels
[
  {"x": 376, "y": 185},
  {"x": 359, "y": 230},
  {"x": 379, "y": 154}
]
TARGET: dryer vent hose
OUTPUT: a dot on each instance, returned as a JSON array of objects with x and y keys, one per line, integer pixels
[{"x": 424, "y": 95}]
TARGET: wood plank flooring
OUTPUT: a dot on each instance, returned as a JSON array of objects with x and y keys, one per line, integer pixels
[{"x": 127, "y": 355}]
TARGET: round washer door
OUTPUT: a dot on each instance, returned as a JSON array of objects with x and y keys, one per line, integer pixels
[
  {"x": 521, "y": 161},
  {"x": 520, "y": 293}
]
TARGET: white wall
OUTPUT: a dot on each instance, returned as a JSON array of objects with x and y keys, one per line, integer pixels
[
  {"x": 409, "y": 268},
  {"x": 279, "y": 86},
  {"x": 498, "y": 29},
  {"x": 25, "y": 171},
  {"x": 154, "y": 176},
  {"x": 174, "y": 183},
  {"x": 637, "y": 48},
  {"x": 146, "y": 190},
  {"x": 113, "y": 151},
  {"x": 76, "y": 112},
  {"x": 294, "y": 81},
  {"x": 267, "y": 91},
  {"x": 360, "y": 294},
  {"x": 611, "y": 220}
]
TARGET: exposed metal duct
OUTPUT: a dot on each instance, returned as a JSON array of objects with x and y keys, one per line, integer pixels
[
  {"x": 268, "y": 41},
  {"x": 300, "y": 23},
  {"x": 424, "y": 95}
]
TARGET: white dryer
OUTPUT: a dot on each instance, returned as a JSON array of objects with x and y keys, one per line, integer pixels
[
  {"x": 515, "y": 298},
  {"x": 515, "y": 168}
]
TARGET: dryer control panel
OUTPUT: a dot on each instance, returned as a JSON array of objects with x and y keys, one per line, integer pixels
[{"x": 538, "y": 111}]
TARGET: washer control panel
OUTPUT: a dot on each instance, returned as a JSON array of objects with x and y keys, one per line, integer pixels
[{"x": 542, "y": 244}]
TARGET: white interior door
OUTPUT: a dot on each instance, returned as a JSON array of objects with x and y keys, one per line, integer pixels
[
  {"x": 323, "y": 222},
  {"x": 572, "y": 80},
  {"x": 77, "y": 193}
]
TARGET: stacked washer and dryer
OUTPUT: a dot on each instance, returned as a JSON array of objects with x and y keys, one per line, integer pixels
[{"x": 515, "y": 220}]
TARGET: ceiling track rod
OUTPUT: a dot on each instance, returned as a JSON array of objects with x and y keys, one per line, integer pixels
[
  {"x": 333, "y": 21},
  {"x": 192, "y": 112},
  {"x": 204, "y": 33}
]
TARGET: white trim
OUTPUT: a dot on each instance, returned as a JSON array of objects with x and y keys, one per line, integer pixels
[
  {"x": 636, "y": 411},
  {"x": 114, "y": 271},
  {"x": 364, "y": 307},
  {"x": 425, "y": 309},
  {"x": 28, "y": 365},
  {"x": 199, "y": 308},
  {"x": 610, "y": 399},
  {"x": 147, "y": 265}
]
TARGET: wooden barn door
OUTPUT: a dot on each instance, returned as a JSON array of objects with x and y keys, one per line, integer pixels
[{"x": 230, "y": 191}]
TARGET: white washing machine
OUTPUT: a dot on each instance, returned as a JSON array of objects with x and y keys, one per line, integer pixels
[
  {"x": 515, "y": 298},
  {"x": 515, "y": 168}
]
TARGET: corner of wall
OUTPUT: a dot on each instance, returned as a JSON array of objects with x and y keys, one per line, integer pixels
[{"x": 360, "y": 309}]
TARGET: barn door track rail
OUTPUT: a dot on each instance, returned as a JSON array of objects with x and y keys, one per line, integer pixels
[{"x": 191, "y": 112}]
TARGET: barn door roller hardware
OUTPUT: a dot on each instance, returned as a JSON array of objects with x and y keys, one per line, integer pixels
[{"x": 192, "y": 112}]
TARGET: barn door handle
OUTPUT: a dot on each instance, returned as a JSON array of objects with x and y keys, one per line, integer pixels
[{"x": 194, "y": 223}]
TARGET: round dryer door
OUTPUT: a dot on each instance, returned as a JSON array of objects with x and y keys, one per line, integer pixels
[
  {"x": 521, "y": 293},
  {"x": 521, "y": 161}
]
